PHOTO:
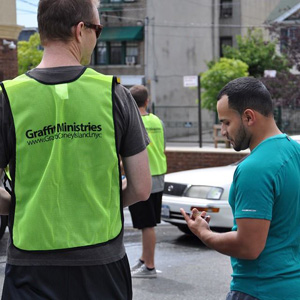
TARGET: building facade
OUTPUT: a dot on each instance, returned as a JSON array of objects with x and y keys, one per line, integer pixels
[
  {"x": 9, "y": 31},
  {"x": 158, "y": 42}
]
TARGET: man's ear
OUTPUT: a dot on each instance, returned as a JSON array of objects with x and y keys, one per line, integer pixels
[
  {"x": 78, "y": 31},
  {"x": 249, "y": 117},
  {"x": 147, "y": 102}
]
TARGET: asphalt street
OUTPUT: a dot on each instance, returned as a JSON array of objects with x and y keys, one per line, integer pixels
[{"x": 186, "y": 268}]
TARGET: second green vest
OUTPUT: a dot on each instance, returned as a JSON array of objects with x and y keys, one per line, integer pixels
[{"x": 156, "y": 148}]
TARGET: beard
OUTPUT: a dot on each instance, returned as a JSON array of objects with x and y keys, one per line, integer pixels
[{"x": 242, "y": 139}]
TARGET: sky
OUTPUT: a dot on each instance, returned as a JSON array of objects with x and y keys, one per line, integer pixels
[{"x": 26, "y": 12}]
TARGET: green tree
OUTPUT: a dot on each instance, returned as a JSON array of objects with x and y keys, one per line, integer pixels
[
  {"x": 29, "y": 53},
  {"x": 258, "y": 54},
  {"x": 219, "y": 74}
]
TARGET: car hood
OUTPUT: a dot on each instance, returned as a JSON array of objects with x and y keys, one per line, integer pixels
[{"x": 217, "y": 176}]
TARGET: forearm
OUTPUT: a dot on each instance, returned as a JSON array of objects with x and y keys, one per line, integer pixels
[
  {"x": 245, "y": 243},
  {"x": 225, "y": 243},
  {"x": 229, "y": 243},
  {"x": 5, "y": 200},
  {"x": 138, "y": 178}
]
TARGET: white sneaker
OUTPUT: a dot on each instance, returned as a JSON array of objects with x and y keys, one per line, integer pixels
[
  {"x": 137, "y": 265},
  {"x": 143, "y": 272}
]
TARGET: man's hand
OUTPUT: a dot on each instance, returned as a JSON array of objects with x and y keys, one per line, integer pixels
[
  {"x": 196, "y": 221},
  {"x": 246, "y": 243}
]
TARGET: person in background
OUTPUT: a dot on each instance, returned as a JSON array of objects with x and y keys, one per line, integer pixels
[
  {"x": 146, "y": 215},
  {"x": 62, "y": 129},
  {"x": 264, "y": 244}
]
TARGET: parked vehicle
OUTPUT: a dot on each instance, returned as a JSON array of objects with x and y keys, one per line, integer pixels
[{"x": 206, "y": 189}]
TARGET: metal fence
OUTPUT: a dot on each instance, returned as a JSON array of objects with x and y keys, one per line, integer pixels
[
  {"x": 288, "y": 119},
  {"x": 182, "y": 122}
]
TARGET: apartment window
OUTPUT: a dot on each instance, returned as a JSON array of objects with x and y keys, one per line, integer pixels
[
  {"x": 288, "y": 36},
  {"x": 132, "y": 51},
  {"x": 225, "y": 9},
  {"x": 101, "y": 53},
  {"x": 117, "y": 53},
  {"x": 225, "y": 41}
]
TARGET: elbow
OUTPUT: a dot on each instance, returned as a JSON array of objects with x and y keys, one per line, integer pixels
[
  {"x": 144, "y": 194},
  {"x": 251, "y": 254}
]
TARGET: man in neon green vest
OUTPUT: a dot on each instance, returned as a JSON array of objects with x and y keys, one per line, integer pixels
[
  {"x": 146, "y": 215},
  {"x": 64, "y": 128}
]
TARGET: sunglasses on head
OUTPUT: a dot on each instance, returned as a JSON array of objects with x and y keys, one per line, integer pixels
[{"x": 97, "y": 28}]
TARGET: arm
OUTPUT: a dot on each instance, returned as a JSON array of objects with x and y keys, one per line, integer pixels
[
  {"x": 138, "y": 177},
  {"x": 246, "y": 243},
  {"x": 5, "y": 198}
]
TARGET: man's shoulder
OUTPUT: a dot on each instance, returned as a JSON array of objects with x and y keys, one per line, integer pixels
[{"x": 154, "y": 117}]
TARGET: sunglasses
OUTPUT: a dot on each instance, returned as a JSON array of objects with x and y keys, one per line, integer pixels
[{"x": 97, "y": 28}]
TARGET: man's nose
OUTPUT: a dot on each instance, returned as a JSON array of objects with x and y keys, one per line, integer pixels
[{"x": 223, "y": 130}]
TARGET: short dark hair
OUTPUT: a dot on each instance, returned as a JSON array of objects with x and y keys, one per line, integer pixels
[
  {"x": 56, "y": 17},
  {"x": 248, "y": 92},
  {"x": 139, "y": 94}
]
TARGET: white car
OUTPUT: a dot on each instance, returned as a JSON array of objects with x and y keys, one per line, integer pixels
[{"x": 206, "y": 189}]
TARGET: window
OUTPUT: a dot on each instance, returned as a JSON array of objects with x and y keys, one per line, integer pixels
[
  {"x": 225, "y": 41},
  {"x": 225, "y": 9},
  {"x": 132, "y": 51},
  {"x": 101, "y": 53},
  {"x": 288, "y": 36},
  {"x": 116, "y": 53}
]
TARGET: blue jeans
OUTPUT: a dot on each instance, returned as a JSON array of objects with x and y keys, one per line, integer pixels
[{"x": 235, "y": 295}]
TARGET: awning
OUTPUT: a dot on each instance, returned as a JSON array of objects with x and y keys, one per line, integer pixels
[{"x": 126, "y": 33}]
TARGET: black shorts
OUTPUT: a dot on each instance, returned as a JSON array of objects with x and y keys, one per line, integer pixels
[
  {"x": 103, "y": 282},
  {"x": 146, "y": 213}
]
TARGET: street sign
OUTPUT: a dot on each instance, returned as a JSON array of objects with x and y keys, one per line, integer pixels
[
  {"x": 270, "y": 73},
  {"x": 190, "y": 81}
]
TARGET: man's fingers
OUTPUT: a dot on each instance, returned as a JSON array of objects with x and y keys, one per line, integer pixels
[{"x": 186, "y": 217}]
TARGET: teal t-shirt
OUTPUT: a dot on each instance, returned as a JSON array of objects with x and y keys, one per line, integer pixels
[{"x": 266, "y": 185}]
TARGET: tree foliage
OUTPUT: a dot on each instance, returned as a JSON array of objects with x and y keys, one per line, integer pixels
[
  {"x": 219, "y": 74},
  {"x": 258, "y": 54},
  {"x": 284, "y": 88},
  {"x": 29, "y": 53}
]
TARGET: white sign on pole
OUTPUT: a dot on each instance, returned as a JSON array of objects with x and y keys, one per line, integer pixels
[
  {"x": 190, "y": 81},
  {"x": 270, "y": 73}
]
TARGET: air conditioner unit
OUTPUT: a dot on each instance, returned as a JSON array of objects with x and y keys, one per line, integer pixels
[{"x": 130, "y": 60}]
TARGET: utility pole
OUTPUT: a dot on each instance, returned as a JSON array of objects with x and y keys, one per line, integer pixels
[{"x": 199, "y": 112}]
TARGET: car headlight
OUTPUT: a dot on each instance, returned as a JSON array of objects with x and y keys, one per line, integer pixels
[{"x": 204, "y": 192}]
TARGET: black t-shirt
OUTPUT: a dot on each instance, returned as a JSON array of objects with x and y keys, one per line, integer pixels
[{"x": 131, "y": 138}]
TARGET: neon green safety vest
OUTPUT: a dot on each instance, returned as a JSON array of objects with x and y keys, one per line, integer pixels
[
  {"x": 6, "y": 170},
  {"x": 67, "y": 185},
  {"x": 156, "y": 148}
]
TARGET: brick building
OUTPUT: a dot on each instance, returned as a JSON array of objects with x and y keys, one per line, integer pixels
[{"x": 9, "y": 31}]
